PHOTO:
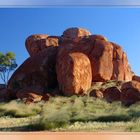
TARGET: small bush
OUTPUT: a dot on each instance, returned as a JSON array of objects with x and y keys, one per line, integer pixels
[{"x": 134, "y": 127}]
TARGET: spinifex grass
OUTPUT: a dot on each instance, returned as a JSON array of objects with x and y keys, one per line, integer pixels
[{"x": 70, "y": 114}]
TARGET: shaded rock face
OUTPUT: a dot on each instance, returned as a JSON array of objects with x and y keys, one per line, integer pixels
[
  {"x": 136, "y": 78},
  {"x": 73, "y": 73},
  {"x": 121, "y": 68},
  {"x": 46, "y": 97},
  {"x": 2, "y": 86},
  {"x": 130, "y": 92},
  {"x": 6, "y": 95},
  {"x": 96, "y": 93},
  {"x": 118, "y": 65},
  {"x": 128, "y": 74},
  {"x": 112, "y": 94},
  {"x": 37, "y": 71},
  {"x": 29, "y": 95},
  {"x": 101, "y": 61},
  {"x": 36, "y": 43}
]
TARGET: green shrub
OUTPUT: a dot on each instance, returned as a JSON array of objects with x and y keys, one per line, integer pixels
[{"x": 17, "y": 108}]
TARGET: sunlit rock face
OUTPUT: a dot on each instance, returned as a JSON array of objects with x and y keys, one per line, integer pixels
[
  {"x": 73, "y": 73},
  {"x": 38, "y": 42}
]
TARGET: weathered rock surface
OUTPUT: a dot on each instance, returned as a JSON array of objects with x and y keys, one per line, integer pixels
[
  {"x": 128, "y": 74},
  {"x": 130, "y": 92},
  {"x": 121, "y": 68},
  {"x": 6, "y": 94},
  {"x": 101, "y": 61},
  {"x": 39, "y": 42},
  {"x": 75, "y": 34},
  {"x": 136, "y": 78},
  {"x": 46, "y": 96},
  {"x": 37, "y": 71},
  {"x": 112, "y": 94},
  {"x": 96, "y": 93},
  {"x": 118, "y": 65},
  {"x": 73, "y": 73},
  {"x": 98, "y": 37},
  {"x": 29, "y": 95}
]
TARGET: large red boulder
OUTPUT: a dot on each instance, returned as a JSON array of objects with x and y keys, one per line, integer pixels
[
  {"x": 73, "y": 73},
  {"x": 74, "y": 37},
  {"x": 121, "y": 68},
  {"x": 112, "y": 94},
  {"x": 38, "y": 42},
  {"x": 84, "y": 44},
  {"x": 37, "y": 71},
  {"x": 128, "y": 74},
  {"x": 101, "y": 60},
  {"x": 118, "y": 65},
  {"x": 130, "y": 92},
  {"x": 75, "y": 34}
]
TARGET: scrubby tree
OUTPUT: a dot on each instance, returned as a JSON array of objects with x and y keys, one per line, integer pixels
[{"x": 7, "y": 65}]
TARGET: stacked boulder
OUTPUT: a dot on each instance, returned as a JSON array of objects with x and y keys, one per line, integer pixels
[
  {"x": 130, "y": 92},
  {"x": 70, "y": 62}
]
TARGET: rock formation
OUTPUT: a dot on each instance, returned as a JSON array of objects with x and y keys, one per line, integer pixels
[{"x": 71, "y": 62}]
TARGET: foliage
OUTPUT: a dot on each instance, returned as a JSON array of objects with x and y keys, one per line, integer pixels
[
  {"x": 7, "y": 64},
  {"x": 17, "y": 108},
  {"x": 72, "y": 114}
]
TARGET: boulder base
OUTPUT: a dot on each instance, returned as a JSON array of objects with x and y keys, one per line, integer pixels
[
  {"x": 130, "y": 92},
  {"x": 29, "y": 95},
  {"x": 112, "y": 94}
]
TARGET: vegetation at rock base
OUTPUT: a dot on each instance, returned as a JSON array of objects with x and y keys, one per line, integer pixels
[{"x": 69, "y": 114}]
